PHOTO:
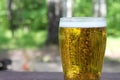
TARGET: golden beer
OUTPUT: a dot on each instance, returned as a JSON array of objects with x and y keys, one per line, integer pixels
[{"x": 82, "y": 50}]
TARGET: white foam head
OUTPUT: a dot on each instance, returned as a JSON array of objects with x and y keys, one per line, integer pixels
[{"x": 82, "y": 22}]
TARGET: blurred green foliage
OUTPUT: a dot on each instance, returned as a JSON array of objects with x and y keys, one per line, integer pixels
[
  {"x": 23, "y": 40},
  {"x": 3, "y": 15},
  {"x": 31, "y": 13},
  {"x": 30, "y": 18},
  {"x": 83, "y": 8},
  {"x": 113, "y": 17}
]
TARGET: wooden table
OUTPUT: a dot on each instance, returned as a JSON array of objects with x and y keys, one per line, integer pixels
[{"x": 47, "y": 76}]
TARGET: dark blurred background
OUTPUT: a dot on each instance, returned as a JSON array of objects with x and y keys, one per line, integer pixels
[{"x": 29, "y": 31}]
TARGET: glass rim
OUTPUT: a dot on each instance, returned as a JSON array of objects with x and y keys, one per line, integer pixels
[
  {"x": 81, "y": 19},
  {"x": 82, "y": 22}
]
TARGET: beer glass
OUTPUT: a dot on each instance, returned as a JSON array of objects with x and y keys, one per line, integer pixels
[{"x": 82, "y": 42}]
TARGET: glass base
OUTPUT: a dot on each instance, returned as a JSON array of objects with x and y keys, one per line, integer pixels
[{"x": 82, "y": 76}]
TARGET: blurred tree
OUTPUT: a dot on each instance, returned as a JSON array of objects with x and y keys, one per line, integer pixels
[
  {"x": 64, "y": 8},
  {"x": 10, "y": 16},
  {"x": 54, "y": 13},
  {"x": 67, "y": 8},
  {"x": 96, "y": 7},
  {"x": 99, "y": 8},
  {"x": 103, "y": 8},
  {"x": 56, "y": 9}
]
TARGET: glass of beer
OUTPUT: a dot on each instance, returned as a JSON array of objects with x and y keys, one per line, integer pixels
[{"x": 82, "y": 42}]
